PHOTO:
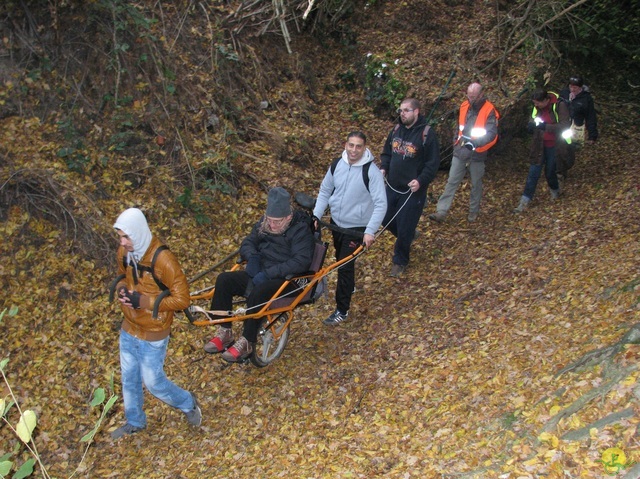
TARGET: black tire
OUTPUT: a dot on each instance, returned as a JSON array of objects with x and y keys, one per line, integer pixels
[{"x": 267, "y": 349}]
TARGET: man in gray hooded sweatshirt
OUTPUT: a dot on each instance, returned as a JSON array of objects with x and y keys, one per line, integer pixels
[{"x": 354, "y": 191}]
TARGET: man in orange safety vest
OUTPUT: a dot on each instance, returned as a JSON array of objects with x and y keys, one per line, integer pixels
[{"x": 477, "y": 133}]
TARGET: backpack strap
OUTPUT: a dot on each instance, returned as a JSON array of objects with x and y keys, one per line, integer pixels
[
  {"x": 365, "y": 171},
  {"x": 365, "y": 174},
  {"x": 425, "y": 132},
  {"x": 150, "y": 269},
  {"x": 334, "y": 165}
]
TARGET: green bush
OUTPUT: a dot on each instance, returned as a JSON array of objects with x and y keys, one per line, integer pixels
[{"x": 383, "y": 89}]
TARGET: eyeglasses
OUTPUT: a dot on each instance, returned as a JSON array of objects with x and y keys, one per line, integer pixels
[
  {"x": 276, "y": 221},
  {"x": 405, "y": 110}
]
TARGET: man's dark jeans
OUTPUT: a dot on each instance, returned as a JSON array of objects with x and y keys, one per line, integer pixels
[
  {"x": 549, "y": 162},
  {"x": 403, "y": 226}
]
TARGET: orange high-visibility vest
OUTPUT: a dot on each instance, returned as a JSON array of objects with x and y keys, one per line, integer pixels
[{"x": 481, "y": 121}]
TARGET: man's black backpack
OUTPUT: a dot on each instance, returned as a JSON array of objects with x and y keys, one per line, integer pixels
[
  {"x": 149, "y": 269},
  {"x": 424, "y": 132},
  {"x": 365, "y": 171}
]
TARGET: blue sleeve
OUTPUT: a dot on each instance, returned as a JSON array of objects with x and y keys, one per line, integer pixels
[
  {"x": 249, "y": 245},
  {"x": 591, "y": 120}
]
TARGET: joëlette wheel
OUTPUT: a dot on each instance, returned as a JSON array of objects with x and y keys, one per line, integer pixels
[{"x": 272, "y": 340}]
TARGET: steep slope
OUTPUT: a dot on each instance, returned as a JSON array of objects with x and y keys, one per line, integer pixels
[{"x": 449, "y": 371}]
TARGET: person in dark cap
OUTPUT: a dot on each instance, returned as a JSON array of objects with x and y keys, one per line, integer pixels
[
  {"x": 280, "y": 244},
  {"x": 581, "y": 108},
  {"x": 584, "y": 122}
]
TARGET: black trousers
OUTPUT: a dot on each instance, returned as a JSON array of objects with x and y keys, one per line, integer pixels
[
  {"x": 403, "y": 227},
  {"x": 345, "y": 244},
  {"x": 565, "y": 157},
  {"x": 234, "y": 283}
]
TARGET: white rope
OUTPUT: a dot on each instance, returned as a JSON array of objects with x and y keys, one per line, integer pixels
[
  {"x": 393, "y": 189},
  {"x": 399, "y": 209}
]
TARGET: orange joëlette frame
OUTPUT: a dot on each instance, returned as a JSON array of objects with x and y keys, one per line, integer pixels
[{"x": 267, "y": 310}]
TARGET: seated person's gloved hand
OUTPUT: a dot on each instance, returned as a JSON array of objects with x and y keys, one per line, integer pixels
[
  {"x": 253, "y": 265},
  {"x": 259, "y": 278},
  {"x": 134, "y": 299}
]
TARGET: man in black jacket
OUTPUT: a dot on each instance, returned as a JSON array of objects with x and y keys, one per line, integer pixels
[
  {"x": 410, "y": 161},
  {"x": 279, "y": 245}
]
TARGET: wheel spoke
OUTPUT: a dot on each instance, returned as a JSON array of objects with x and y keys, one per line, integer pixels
[
  {"x": 265, "y": 353},
  {"x": 271, "y": 341}
]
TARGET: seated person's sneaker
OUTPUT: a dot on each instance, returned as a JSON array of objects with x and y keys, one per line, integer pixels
[
  {"x": 240, "y": 350},
  {"x": 220, "y": 341},
  {"x": 125, "y": 430},
  {"x": 335, "y": 318}
]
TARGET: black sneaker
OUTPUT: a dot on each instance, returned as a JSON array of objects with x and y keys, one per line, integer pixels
[
  {"x": 335, "y": 318},
  {"x": 124, "y": 431}
]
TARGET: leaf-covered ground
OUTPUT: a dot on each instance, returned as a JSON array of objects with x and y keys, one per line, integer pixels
[{"x": 449, "y": 371}]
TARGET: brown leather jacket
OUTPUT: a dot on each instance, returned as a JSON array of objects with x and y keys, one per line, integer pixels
[{"x": 139, "y": 322}]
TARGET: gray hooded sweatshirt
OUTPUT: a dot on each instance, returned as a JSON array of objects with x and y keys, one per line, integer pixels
[{"x": 346, "y": 195}]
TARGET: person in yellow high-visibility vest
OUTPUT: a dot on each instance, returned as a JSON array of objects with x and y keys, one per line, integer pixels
[{"x": 549, "y": 119}]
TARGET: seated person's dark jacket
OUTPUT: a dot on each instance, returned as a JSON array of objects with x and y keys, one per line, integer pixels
[{"x": 289, "y": 253}]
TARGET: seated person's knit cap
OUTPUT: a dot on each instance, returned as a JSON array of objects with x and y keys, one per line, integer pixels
[{"x": 278, "y": 203}]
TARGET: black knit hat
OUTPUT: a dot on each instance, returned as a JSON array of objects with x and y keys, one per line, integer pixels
[
  {"x": 278, "y": 203},
  {"x": 576, "y": 80}
]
